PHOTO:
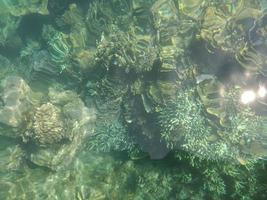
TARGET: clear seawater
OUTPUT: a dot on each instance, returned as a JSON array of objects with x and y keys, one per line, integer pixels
[{"x": 133, "y": 99}]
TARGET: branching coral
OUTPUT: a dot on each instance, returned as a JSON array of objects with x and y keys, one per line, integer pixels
[
  {"x": 246, "y": 129},
  {"x": 223, "y": 180},
  {"x": 110, "y": 132},
  {"x": 111, "y": 137},
  {"x": 183, "y": 125}
]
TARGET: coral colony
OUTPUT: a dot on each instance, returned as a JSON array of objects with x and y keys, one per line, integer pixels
[{"x": 133, "y": 99}]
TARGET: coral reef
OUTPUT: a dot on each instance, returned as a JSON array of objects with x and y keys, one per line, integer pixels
[
  {"x": 111, "y": 137},
  {"x": 127, "y": 50},
  {"x": 58, "y": 46},
  {"x": 133, "y": 99},
  {"x": 183, "y": 126},
  {"x": 48, "y": 127},
  {"x": 11, "y": 13},
  {"x": 43, "y": 70},
  {"x": 98, "y": 176}
]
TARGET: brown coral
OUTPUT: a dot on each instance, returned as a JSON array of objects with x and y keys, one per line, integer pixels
[{"x": 48, "y": 127}]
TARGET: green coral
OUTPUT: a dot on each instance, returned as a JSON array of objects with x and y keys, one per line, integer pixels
[
  {"x": 110, "y": 133},
  {"x": 224, "y": 180},
  {"x": 183, "y": 125},
  {"x": 245, "y": 128},
  {"x": 110, "y": 137}
]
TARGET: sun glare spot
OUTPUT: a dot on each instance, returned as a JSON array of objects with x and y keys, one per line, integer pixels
[
  {"x": 262, "y": 91},
  {"x": 248, "y": 97}
]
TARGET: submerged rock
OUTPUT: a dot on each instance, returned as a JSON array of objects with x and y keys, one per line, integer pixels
[{"x": 17, "y": 104}]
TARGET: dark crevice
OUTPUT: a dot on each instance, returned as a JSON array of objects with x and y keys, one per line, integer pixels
[
  {"x": 58, "y": 7},
  {"x": 216, "y": 62},
  {"x": 31, "y": 26}
]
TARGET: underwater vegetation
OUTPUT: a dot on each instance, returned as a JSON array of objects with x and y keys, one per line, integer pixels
[{"x": 133, "y": 99}]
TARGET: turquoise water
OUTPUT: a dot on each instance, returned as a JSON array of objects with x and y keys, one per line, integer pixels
[{"x": 133, "y": 99}]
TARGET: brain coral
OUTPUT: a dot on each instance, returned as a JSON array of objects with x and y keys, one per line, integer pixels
[{"x": 48, "y": 125}]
